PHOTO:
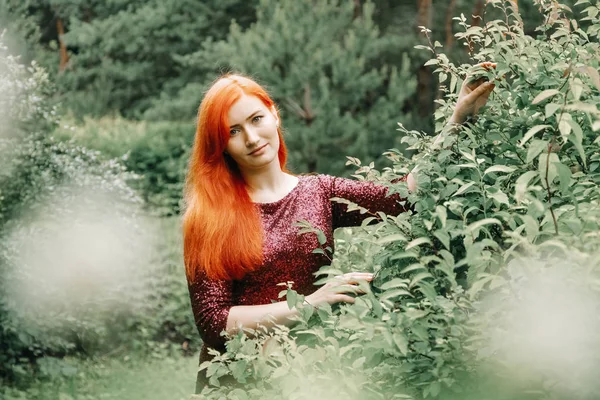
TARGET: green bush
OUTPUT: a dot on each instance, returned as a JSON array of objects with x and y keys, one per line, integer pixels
[
  {"x": 490, "y": 289},
  {"x": 82, "y": 270},
  {"x": 157, "y": 152}
]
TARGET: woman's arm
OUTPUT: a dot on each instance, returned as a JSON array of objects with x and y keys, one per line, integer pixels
[
  {"x": 214, "y": 312},
  {"x": 366, "y": 194},
  {"x": 211, "y": 301},
  {"x": 268, "y": 315},
  {"x": 472, "y": 96}
]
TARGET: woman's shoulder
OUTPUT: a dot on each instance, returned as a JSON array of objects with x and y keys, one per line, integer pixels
[{"x": 321, "y": 182}]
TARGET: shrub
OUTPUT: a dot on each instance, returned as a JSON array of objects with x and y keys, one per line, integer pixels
[
  {"x": 157, "y": 152},
  {"x": 480, "y": 291},
  {"x": 82, "y": 271}
]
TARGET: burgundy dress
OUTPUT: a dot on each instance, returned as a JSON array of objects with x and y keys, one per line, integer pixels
[{"x": 287, "y": 255}]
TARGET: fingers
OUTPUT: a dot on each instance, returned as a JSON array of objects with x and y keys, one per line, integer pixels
[
  {"x": 354, "y": 277},
  {"x": 474, "y": 84},
  {"x": 342, "y": 288},
  {"x": 487, "y": 65},
  {"x": 344, "y": 298},
  {"x": 474, "y": 78},
  {"x": 347, "y": 288},
  {"x": 482, "y": 90}
]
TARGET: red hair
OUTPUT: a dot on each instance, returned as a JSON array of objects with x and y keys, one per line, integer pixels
[{"x": 222, "y": 234}]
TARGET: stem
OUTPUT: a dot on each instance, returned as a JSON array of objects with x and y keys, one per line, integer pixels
[{"x": 548, "y": 188}]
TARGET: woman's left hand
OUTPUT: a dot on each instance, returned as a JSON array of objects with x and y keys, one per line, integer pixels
[{"x": 473, "y": 95}]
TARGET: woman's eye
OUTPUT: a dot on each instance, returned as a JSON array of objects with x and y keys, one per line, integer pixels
[
  {"x": 257, "y": 118},
  {"x": 233, "y": 132}
]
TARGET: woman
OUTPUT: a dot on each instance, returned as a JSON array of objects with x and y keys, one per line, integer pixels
[{"x": 240, "y": 241}]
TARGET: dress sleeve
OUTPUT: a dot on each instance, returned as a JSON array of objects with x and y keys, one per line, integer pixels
[
  {"x": 366, "y": 194},
  {"x": 211, "y": 302}
]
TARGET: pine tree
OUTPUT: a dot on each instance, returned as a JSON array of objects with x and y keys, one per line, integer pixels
[
  {"x": 120, "y": 55},
  {"x": 320, "y": 60}
]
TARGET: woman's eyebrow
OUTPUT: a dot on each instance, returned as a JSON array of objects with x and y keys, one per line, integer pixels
[{"x": 250, "y": 117}]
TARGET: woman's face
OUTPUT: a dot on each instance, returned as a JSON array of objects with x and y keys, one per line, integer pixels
[{"x": 253, "y": 141}]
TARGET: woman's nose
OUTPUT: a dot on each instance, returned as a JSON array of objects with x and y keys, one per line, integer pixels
[{"x": 251, "y": 137}]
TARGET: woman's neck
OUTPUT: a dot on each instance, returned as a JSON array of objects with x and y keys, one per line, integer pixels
[{"x": 268, "y": 184}]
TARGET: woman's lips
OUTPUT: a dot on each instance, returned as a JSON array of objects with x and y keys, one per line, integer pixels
[{"x": 257, "y": 150}]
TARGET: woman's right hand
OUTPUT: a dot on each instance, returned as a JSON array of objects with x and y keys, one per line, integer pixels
[{"x": 337, "y": 290}]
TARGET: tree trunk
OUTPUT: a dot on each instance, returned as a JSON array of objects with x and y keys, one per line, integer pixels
[
  {"x": 64, "y": 56},
  {"x": 424, "y": 78},
  {"x": 477, "y": 14},
  {"x": 357, "y": 9},
  {"x": 449, "y": 32},
  {"x": 424, "y": 13}
]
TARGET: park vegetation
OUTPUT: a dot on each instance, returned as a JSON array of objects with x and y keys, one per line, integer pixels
[{"x": 488, "y": 288}]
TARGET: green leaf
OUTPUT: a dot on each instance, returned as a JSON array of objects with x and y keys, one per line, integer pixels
[
  {"x": 427, "y": 289},
  {"x": 419, "y": 277},
  {"x": 396, "y": 237},
  {"x": 359, "y": 362},
  {"x": 499, "y": 196},
  {"x": 443, "y": 237},
  {"x": 435, "y": 388},
  {"x": 395, "y": 293},
  {"x": 551, "y": 109},
  {"x": 564, "y": 177},
  {"x": 577, "y": 143},
  {"x": 463, "y": 188},
  {"x": 483, "y": 222},
  {"x": 412, "y": 267},
  {"x": 321, "y": 236},
  {"x": 546, "y": 94},
  {"x": 479, "y": 284},
  {"x": 577, "y": 88},
  {"x": 453, "y": 82},
  {"x": 395, "y": 283},
  {"x": 593, "y": 74},
  {"x": 401, "y": 342},
  {"x": 499, "y": 168},
  {"x": 535, "y": 148},
  {"x": 564, "y": 126},
  {"x": 532, "y": 132},
  {"x": 532, "y": 227},
  {"x": 522, "y": 184},
  {"x": 417, "y": 242},
  {"x": 292, "y": 297},
  {"x": 441, "y": 214}
]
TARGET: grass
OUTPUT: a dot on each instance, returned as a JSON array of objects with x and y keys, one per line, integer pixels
[{"x": 130, "y": 378}]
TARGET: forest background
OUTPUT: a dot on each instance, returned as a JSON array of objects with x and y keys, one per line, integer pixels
[{"x": 110, "y": 104}]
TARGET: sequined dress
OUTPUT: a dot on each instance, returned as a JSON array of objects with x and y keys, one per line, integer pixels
[{"x": 287, "y": 255}]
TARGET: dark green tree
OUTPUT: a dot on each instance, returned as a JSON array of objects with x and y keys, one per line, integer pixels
[
  {"x": 321, "y": 62},
  {"x": 118, "y": 56}
]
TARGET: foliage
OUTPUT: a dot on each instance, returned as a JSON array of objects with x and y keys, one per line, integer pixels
[
  {"x": 124, "y": 54},
  {"x": 135, "y": 376},
  {"x": 157, "y": 152},
  {"x": 478, "y": 293},
  {"x": 81, "y": 270},
  {"x": 333, "y": 91}
]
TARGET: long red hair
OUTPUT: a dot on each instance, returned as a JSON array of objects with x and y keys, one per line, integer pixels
[{"x": 222, "y": 234}]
